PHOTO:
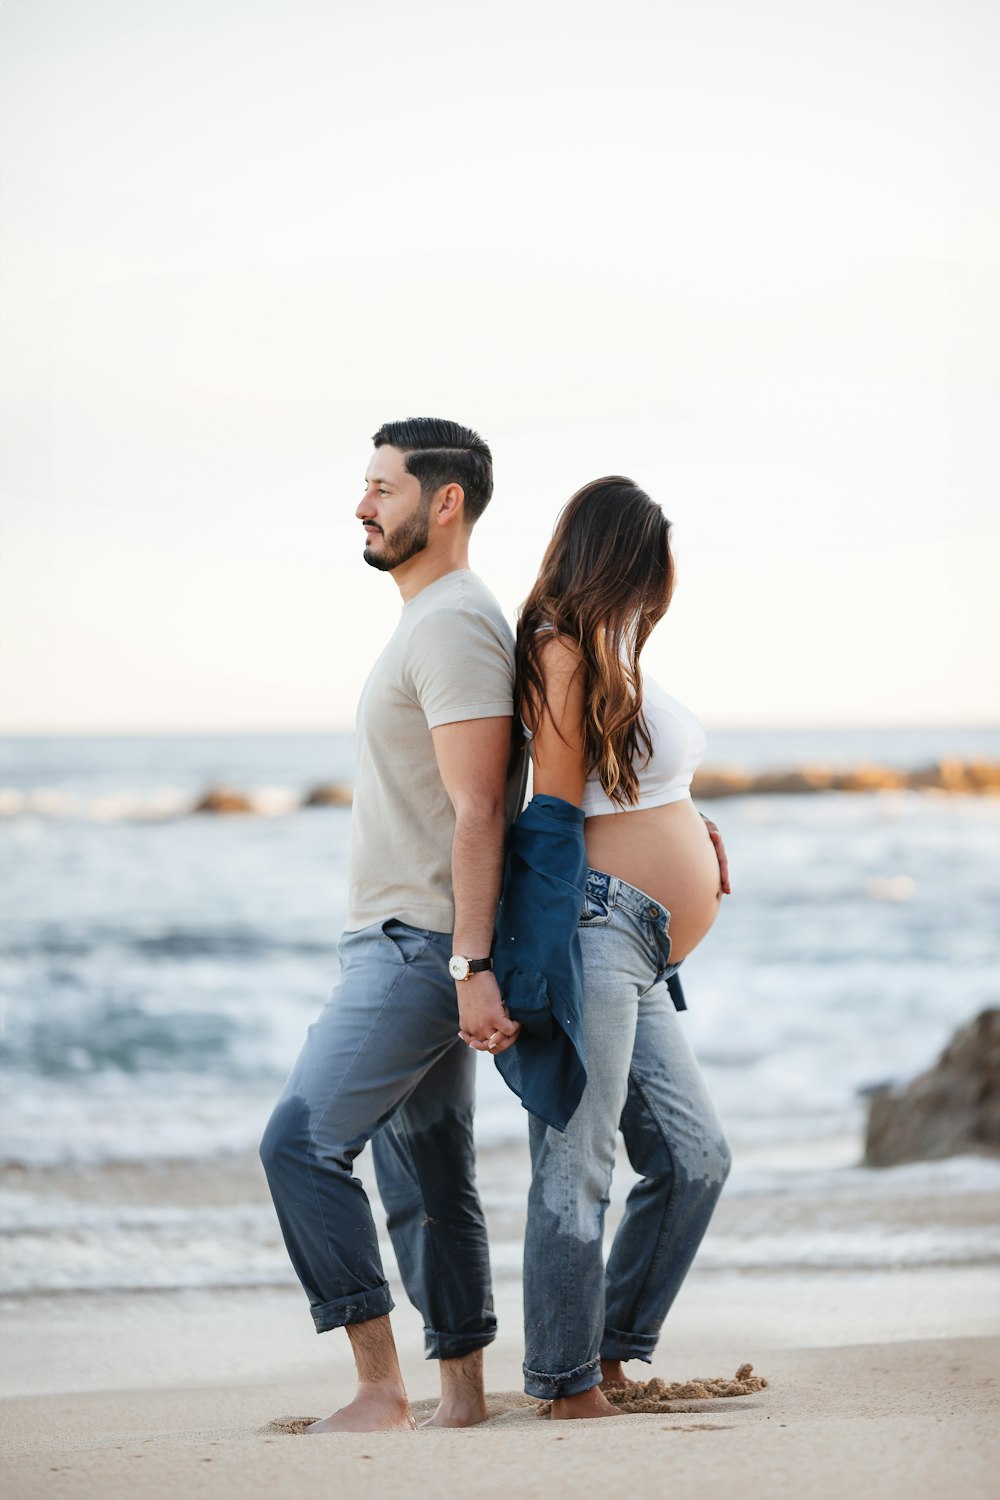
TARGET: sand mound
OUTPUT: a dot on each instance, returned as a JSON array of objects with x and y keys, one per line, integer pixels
[
  {"x": 293, "y": 1425},
  {"x": 645, "y": 1396},
  {"x": 655, "y": 1395}
]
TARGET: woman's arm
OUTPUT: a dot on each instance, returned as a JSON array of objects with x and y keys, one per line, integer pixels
[
  {"x": 720, "y": 851},
  {"x": 557, "y": 749}
]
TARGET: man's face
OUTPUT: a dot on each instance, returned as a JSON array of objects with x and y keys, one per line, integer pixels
[{"x": 395, "y": 517}]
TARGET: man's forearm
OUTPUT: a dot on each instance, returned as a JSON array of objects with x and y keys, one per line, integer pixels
[{"x": 477, "y": 872}]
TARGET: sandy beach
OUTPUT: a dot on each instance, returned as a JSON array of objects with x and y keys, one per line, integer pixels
[{"x": 880, "y": 1381}]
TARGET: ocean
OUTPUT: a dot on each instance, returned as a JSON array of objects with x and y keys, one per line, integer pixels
[{"x": 159, "y": 970}]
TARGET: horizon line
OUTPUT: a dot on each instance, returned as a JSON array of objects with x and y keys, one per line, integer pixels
[{"x": 712, "y": 727}]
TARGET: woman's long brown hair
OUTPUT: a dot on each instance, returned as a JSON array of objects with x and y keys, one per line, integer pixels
[{"x": 605, "y": 581}]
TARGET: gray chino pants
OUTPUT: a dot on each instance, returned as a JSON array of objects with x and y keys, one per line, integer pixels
[{"x": 383, "y": 1062}]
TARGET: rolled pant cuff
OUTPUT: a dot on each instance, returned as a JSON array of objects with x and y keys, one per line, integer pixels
[
  {"x": 618, "y": 1345},
  {"x": 551, "y": 1387},
  {"x": 361, "y": 1307},
  {"x": 439, "y": 1345}
]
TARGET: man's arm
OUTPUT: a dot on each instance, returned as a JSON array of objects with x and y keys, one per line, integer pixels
[{"x": 472, "y": 758}]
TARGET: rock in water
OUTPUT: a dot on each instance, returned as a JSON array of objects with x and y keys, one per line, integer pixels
[
  {"x": 329, "y": 794},
  {"x": 951, "y": 1109},
  {"x": 222, "y": 799}
]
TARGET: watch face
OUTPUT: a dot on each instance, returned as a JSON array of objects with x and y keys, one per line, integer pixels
[{"x": 458, "y": 967}]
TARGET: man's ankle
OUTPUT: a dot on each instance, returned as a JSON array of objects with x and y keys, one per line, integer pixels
[{"x": 463, "y": 1393}]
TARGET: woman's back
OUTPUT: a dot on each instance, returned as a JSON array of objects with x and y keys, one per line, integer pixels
[{"x": 660, "y": 845}]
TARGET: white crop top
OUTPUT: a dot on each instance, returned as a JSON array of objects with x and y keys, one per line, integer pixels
[{"x": 678, "y": 746}]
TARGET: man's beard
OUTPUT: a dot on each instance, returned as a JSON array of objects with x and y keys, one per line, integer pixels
[{"x": 409, "y": 538}]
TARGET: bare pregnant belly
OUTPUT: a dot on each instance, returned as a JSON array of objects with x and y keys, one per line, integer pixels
[{"x": 666, "y": 852}]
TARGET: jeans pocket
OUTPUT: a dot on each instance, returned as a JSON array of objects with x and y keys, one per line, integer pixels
[
  {"x": 407, "y": 942},
  {"x": 595, "y": 913}
]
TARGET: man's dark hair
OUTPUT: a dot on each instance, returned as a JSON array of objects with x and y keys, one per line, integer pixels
[{"x": 438, "y": 453}]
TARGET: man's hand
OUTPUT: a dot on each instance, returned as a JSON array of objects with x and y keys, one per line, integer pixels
[
  {"x": 485, "y": 1024},
  {"x": 472, "y": 759},
  {"x": 720, "y": 850}
]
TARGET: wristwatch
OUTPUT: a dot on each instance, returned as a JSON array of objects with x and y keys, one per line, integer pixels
[{"x": 461, "y": 968}]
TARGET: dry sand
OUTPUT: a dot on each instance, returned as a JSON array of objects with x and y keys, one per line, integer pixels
[{"x": 194, "y": 1394}]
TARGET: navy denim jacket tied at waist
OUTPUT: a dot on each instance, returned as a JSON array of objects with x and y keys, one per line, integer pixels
[{"x": 536, "y": 956}]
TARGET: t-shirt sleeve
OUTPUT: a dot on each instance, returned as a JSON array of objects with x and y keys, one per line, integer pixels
[{"x": 460, "y": 668}]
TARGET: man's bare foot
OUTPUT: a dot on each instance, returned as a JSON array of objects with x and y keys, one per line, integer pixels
[
  {"x": 381, "y": 1404},
  {"x": 613, "y": 1377},
  {"x": 463, "y": 1396},
  {"x": 592, "y": 1403},
  {"x": 376, "y": 1408},
  {"x": 458, "y": 1414}
]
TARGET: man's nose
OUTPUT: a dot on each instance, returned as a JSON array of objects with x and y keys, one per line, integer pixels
[{"x": 366, "y": 508}]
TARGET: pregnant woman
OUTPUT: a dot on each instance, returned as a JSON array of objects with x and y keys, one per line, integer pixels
[{"x": 614, "y": 743}]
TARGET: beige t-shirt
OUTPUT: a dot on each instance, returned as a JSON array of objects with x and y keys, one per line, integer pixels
[{"x": 450, "y": 658}]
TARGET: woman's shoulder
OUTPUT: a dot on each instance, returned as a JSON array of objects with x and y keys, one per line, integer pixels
[
  {"x": 556, "y": 682},
  {"x": 558, "y": 655}
]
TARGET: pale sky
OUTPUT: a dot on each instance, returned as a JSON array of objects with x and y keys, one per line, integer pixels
[{"x": 747, "y": 253}]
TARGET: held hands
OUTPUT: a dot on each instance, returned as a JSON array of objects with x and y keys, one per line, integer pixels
[{"x": 483, "y": 1020}]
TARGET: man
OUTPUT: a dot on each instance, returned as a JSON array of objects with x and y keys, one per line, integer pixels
[{"x": 384, "y": 1061}]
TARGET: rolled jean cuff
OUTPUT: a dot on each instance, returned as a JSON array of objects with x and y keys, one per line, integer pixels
[
  {"x": 439, "y": 1345},
  {"x": 618, "y": 1345},
  {"x": 359, "y": 1308},
  {"x": 551, "y": 1387}
]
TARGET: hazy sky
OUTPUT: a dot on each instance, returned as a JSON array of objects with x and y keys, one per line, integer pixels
[{"x": 746, "y": 252}]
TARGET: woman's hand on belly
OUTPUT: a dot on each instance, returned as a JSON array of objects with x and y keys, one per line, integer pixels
[
  {"x": 667, "y": 852},
  {"x": 720, "y": 854}
]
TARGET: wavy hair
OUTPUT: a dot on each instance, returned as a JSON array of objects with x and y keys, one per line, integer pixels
[{"x": 606, "y": 579}]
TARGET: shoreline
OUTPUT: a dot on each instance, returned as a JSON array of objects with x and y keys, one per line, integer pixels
[{"x": 127, "y": 1228}]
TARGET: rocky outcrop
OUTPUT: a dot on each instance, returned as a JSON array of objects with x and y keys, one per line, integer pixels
[
  {"x": 806, "y": 779},
  {"x": 952, "y": 1109},
  {"x": 959, "y": 776},
  {"x": 221, "y": 799},
  {"x": 977, "y": 776},
  {"x": 871, "y": 778},
  {"x": 946, "y": 776},
  {"x": 329, "y": 794},
  {"x": 710, "y": 783}
]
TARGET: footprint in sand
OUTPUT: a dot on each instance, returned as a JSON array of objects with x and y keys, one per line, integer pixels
[{"x": 640, "y": 1398}]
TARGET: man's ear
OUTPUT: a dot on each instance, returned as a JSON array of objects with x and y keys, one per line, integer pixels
[{"x": 449, "y": 504}]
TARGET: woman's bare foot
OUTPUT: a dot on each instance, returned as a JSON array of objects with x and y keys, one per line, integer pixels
[
  {"x": 592, "y": 1403},
  {"x": 613, "y": 1377},
  {"x": 376, "y": 1408}
]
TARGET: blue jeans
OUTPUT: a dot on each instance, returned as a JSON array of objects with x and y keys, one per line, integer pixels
[
  {"x": 643, "y": 1077},
  {"x": 384, "y": 1063}
]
